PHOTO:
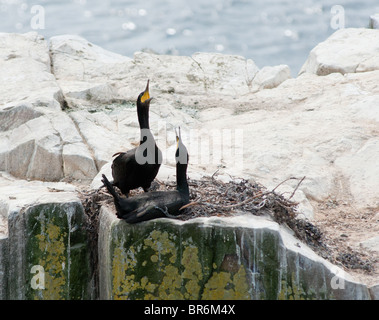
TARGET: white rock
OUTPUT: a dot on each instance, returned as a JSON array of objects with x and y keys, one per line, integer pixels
[
  {"x": 46, "y": 148},
  {"x": 32, "y": 151},
  {"x": 107, "y": 171},
  {"x": 16, "y": 194},
  {"x": 25, "y": 71},
  {"x": 308, "y": 126},
  {"x": 13, "y": 115},
  {"x": 371, "y": 244},
  {"x": 77, "y": 162},
  {"x": 85, "y": 71},
  {"x": 361, "y": 168},
  {"x": 346, "y": 51},
  {"x": 226, "y": 74},
  {"x": 87, "y": 60},
  {"x": 102, "y": 141},
  {"x": 271, "y": 77},
  {"x": 374, "y": 21},
  {"x": 301, "y": 128}
]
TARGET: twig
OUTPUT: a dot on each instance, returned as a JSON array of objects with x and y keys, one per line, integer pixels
[
  {"x": 213, "y": 175},
  {"x": 221, "y": 206},
  {"x": 245, "y": 201},
  {"x": 293, "y": 193},
  {"x": 189, "y": 205},
  {"x": 291, "y": 178}
]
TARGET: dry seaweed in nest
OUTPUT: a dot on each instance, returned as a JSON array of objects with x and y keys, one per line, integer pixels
[
  {"x": 210, "y": 196},
  {"x": 353, "y": 260}
]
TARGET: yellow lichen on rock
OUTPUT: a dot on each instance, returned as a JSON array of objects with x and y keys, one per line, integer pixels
[
  {"x": 192, "y": 273},
  {"x": 171, "y": 284},
  {"x": 171, "y": 278},
  {"x": 122, "y": 284},
  {"x": 224, "y": 285},
  {"x": 51, "y": 242}
]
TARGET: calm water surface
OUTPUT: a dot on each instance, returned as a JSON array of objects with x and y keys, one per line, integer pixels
[{"x": 270, "y": 32}]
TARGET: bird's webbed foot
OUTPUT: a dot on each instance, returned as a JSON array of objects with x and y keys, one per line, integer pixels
[{"x": 165, "y": 212}]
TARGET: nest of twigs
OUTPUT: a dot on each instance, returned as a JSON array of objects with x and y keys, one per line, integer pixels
[{"x": 212, "y": 197}]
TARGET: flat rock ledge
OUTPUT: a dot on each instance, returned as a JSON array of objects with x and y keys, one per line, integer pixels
[{"x": 67, "y": 105}]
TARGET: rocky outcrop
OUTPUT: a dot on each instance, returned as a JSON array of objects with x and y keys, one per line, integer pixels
[
  {"x": 67, "y": 105},
  {"x": 374, "y": 21},
  {"x": 37, "y": 139},
  {"x": 243, "y": 257},
  {"x": 346, "y": 51},
  {"x": 278, "y": 125},
  {"x": 44, "y": 252}
]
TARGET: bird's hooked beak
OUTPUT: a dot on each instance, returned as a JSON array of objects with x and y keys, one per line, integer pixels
[
  {"x": 178, "y": 137},
  {"x": 181, "y": 155},
  {"x": 146, "y": 95}
]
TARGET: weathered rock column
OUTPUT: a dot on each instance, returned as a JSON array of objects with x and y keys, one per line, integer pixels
[
  {"x": 243, "y": 257},
  {"x": 48, "y": 254},
  {"x": 44, "y": 252},
  {"x": 3, "y": 268}
]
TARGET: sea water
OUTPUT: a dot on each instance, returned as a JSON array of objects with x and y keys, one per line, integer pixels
[{"x": 270, "y": 32}]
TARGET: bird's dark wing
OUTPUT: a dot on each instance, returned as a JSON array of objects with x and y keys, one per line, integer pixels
[
  {"x": 155, "y": 205},
  {"x": 124, "y": 170}
]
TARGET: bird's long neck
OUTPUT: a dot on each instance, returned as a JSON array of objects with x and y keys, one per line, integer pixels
[
  {"x": 143, "y": 117},
  {"x": 181, "y": 179}
]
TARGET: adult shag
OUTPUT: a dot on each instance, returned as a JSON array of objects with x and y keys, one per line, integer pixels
[
  {"x": 156, "y": 204},
  {"x": 138, "y": 167}
]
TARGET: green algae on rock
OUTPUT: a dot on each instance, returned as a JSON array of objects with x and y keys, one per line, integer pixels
[
  {"x": 164, "y": 262},
  {"x": 242, "y": 257},
  {"x": 51, "y": 259}
]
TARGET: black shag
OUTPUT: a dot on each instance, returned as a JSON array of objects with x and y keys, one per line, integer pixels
[
  {"x": 156, "y": 204},
  {"x": 138, "y": 167}
]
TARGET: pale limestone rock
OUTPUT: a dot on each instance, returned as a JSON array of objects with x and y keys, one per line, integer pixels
[
  {"x": 38, "y": 140},
  {"x": 271, "y": 77},
  {"x": 14, "y": 115},
  {"x": 289, "y": 130},
  {"x": 89, "y": 73},
  {"x": 102, "y": 141},
  {"x": 361, "y": 168},
  {"x": 33, "y": 151},
  {"x": 46, "y": 148},
  {"x": 374, "y": 21},
  {"x": 25, "y": 72},
  {"x": 346, "y": 51},
  {"x": 85, "y": 71}
]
